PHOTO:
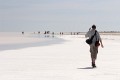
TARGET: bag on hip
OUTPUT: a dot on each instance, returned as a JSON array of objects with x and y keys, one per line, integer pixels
[
  {"x": 89, "y": 41},
  {"x": 97, "y": 43}
]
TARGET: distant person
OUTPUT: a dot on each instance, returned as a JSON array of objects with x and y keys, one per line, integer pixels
[
  {"x": 22, "y": 32},
  {"x": 48, "y": 32},
  {"x": 77, "y": 33},
  {"x": 53, "y": 33},
  {"x": 45, "y": 32},
  {"x": 74, "y": 33},
  {"x": 93, "y": 47},
  {"x": 38, "y": 32},
  {"x": 60, "y": 33}
]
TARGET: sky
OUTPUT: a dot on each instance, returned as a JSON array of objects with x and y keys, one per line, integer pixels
[{"x": 59, "y": 15}]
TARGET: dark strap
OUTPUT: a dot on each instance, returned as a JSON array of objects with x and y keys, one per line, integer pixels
[
  {"x": 96, "y": 36},
  {"x": 93, "y": 35}
]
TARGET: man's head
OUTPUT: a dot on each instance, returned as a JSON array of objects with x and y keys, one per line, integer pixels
[{"x": 93, "y": 27}]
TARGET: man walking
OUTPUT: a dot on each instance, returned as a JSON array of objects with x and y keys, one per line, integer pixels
[{"x": 93, "y": 47}]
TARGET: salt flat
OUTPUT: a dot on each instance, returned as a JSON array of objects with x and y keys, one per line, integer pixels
[{"x": 69, "y": 60}]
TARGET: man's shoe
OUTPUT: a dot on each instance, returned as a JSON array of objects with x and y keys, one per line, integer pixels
[{"x": 93, "y": 65}]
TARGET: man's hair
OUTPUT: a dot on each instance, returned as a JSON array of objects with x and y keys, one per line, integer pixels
[{"x": 93, "y": 27}]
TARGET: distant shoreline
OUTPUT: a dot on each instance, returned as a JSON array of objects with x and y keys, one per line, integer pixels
[{"x": 56, "y": 33}]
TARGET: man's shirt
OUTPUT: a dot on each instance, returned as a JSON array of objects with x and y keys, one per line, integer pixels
[{"x": 90, "y": 33}]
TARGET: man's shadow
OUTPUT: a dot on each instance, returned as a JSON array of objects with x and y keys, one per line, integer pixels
[{"x": 86, "y": 68}]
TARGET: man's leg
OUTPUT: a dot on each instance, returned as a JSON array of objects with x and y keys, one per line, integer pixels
[{"x": 94, "y": 51}]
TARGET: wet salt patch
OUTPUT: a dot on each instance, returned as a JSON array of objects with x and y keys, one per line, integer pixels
[{"x": 18, "y": 40}]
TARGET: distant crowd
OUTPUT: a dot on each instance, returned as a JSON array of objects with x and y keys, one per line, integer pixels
[{"x": 60, "y": 33}]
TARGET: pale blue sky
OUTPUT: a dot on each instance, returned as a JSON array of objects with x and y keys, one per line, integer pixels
[{"x": 59, "y": 15}]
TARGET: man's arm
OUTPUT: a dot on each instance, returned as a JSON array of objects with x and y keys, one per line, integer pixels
[
  {"x": 100, "y": 40},
  {"x": 101, "y": 43},
  {"x": 87, "y": 34}
]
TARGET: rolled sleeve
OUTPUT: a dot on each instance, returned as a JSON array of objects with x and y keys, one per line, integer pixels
[{"x": 87, "y": 34}]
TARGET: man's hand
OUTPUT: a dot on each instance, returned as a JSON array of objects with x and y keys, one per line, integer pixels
[
  {"x": 89, "y": 29},
  {"x": 102, "y": 46}
]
